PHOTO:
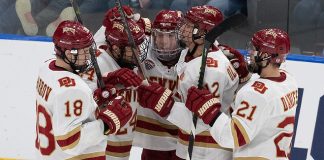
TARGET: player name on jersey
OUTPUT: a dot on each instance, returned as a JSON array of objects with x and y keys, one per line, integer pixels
[
  {"x": 168, "y": 83},
  {"x": 43, "y": 89},
  {"x": 289, "y": 100}
]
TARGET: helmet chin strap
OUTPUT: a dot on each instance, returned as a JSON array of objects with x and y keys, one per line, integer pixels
[
  {"x": 257, "y": 66},
  {"x": 67, "y": 61},
  {"x": 122, "y": 63},
  {"x": 195, "y": 36}
]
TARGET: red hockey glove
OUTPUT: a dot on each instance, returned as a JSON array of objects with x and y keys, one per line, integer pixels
[
  {"x": 123, "y": 76},
  {"x": 237, "y": 60},
  {"x": 115, "y": 115},
  {"x": 155, "y": 97},
  {"x": 203, "y": 104},
  {"x": 102, "y": 96}
]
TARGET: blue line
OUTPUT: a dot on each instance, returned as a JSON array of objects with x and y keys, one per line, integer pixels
[
  {"x": 298, "y": 57},
  {"x": 25, "y": 38},
  {"x": 292, "y": 57}
]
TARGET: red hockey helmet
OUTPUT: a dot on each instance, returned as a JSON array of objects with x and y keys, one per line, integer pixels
[
  {"x": 167, "y": 20},
  {"x": 146, "y": 24},
  {"x": 165, "y": 44},
  {"x": 72, "y": 35},
  {"x": 113, "y": 14},
  {"x": 272, "y": 41},
  {"x": 117, "y": 35},
  {"x": 206, "y": 17}
]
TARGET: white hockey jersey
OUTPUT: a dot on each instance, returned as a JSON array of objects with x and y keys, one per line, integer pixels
[
  {"x": 118, "y": 145},
  {"x": 66, "y": 127},
  {"x": 221, "y": 80},
  {"x": 262, "y": 123},
  {"x": 152, "y": 131}
]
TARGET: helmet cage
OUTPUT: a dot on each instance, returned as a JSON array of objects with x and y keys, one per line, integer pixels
[
  {"x": 75, "y": 57},
  {"x": 165, "y": 44},
  {"x": 124, "y": 54}
]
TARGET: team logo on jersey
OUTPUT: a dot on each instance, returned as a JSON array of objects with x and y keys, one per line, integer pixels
[
  {"x": 66, "y": 82},
  {"x": 149, "y": 64}
]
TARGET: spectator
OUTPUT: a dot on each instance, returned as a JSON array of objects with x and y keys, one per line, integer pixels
[
  {"x": 229, "y": 7},
  {"x": 8, "y": 18},
  {"x": 43, "y": 16}
]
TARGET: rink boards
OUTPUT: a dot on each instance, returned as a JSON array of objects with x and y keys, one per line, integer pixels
[{"x": 20, "y": 58}]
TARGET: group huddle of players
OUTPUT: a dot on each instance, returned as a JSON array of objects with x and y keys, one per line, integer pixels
[{"x": 149, "y": 101}]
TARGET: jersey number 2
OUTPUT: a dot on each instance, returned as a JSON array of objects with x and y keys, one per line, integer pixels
[
  {"x": 282, "y": 125},
  {"x": 242, "y": 111}
]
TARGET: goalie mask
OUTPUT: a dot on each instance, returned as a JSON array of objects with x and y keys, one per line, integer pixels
[
  {"x": 270, "y": 45},
  {"x": 119, "y": 45},
  {"x": 77, "y": 40},
  {"x": 197, "y": 22},
  {"x": 165, "y": 44}
]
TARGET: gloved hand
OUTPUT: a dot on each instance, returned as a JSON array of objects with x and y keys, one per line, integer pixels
[
  {"x": 237, "y": 61},
  {"x": 155, "y": 97},
  {"x": 123, "y": 76},
  {"x": 102, "y": 96},
  {"x": 115, "y": 115},
  {"x": 203, "y": 104}
]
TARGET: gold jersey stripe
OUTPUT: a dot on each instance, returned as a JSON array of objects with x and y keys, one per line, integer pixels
[
  {"x": 242, "y": 130},
  {"x": 154, "y": 121},
  {"x": 205, "y": 145},
  {"x": 69, "y": 134},
  {"x": 89, "y": 155},
  {"x": 115, "y": 154},
  {"x": 204, "y": 133},
  {"x": 154, "y": 133},
  {"x": 72, "y": 145},
  {"x": 120, "y": 143},
  {"x": 250, "y": 158}
]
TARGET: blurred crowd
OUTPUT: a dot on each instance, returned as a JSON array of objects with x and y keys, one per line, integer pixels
[
  {"x": 41, "y": 17},
  {"x": 304, "y": 22}
]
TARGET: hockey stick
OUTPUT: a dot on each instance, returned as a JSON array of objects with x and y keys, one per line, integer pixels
[
  {"x": 130, "y": 36},
  {"x": 101, "y": 83},
  {"x": 210, "y": 38}
]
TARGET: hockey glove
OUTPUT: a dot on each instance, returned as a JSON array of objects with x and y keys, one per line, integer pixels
[
  {"x": 155, "y": 97},
  {"x": 115, "y": 115},
  {"x": 123, "y": 76},
  {"x": 237, "y": 61},
  {"x": 203, "y": 104}
]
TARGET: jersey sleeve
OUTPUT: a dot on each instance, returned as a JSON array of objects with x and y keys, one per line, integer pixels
[
  {"x": 231, "y": 84},
  {"x": 248, "y": 117},
  {"x": 74, "y": 124},
  {"x": 182, "y": 118},
  {"x": 99, "y": 36}
]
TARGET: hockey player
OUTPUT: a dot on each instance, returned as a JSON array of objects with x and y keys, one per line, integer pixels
[
  {"x": 261, "y": 126},
  {"x": 116, "y": 62},
  {"x": 69, "y": 124},
  {"x": 154, "y": 134},
  {"x": 220, "y": 79},
  {"x": 113, "y": 14},
  {"x": 238, "y": 62}
]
